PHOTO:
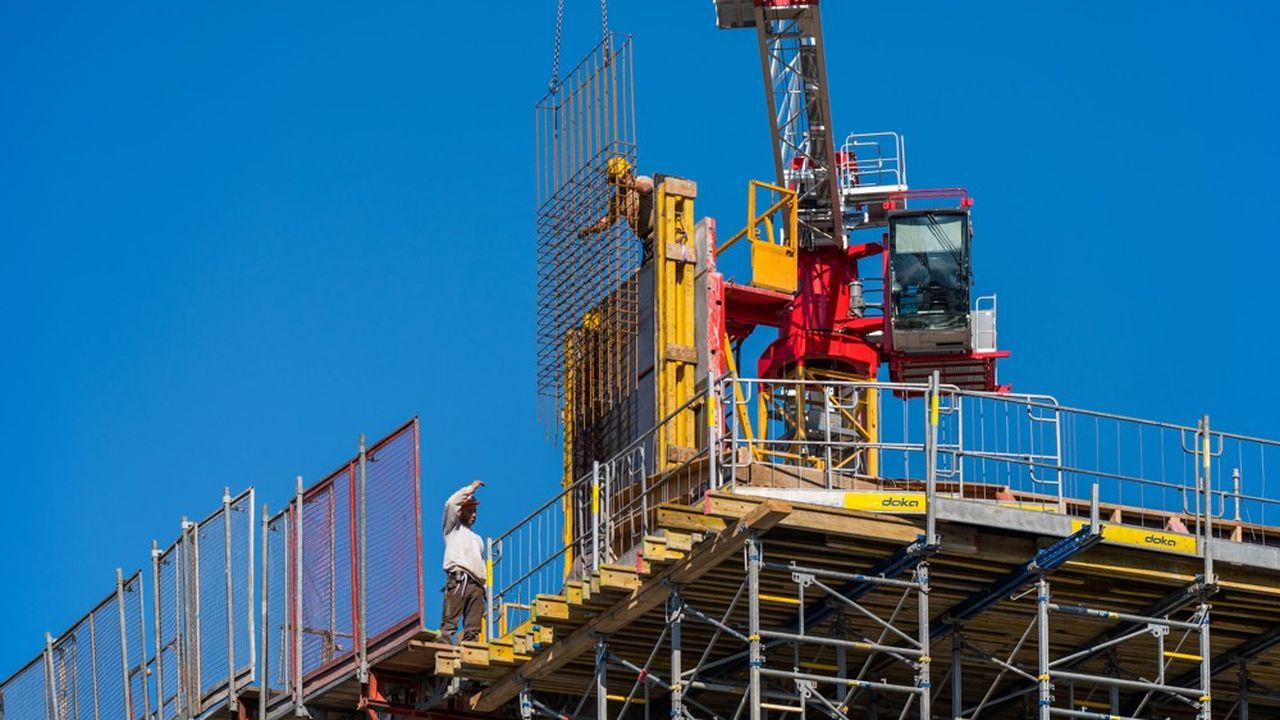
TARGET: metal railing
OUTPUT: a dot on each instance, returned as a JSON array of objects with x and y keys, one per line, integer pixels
[
  {"x": 95, "y": 669},
  {"x": 598, "y": 519},
  {"x": 872, "y": 160},
  {"x": 235, "y": 601},
  {"x": 1015, "y": 450}
]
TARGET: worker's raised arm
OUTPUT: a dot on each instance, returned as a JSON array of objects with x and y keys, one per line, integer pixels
[
  {"x": 453, "y": 506},
  {"x": 600, "y": 225}
]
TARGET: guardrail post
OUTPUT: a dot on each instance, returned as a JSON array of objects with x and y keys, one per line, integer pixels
[
  {"x": 226, "y": 572},
  {"x": 362, "y": 515},
  {"x": 931, "y": 461},
  {"x": 488, "y": 588},
  {"x": 298, "y": 709},
  {"x": 124, "y": 644},
  {"x": 264, "y": 657},
  {"x": 157, "y": 629},
  {"x": 251, "y": 636},
  {"x": 50, "y": 680},
  {"x": 595, "y": 516},
  {"x": 713, "y": 431},
  {"x": 826, "y": 438},
  {"x": 1210, "y": 579}
]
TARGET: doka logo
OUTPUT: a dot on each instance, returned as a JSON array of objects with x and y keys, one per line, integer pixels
[
  {"x": 1157, "y": 540},
  {"x": 899, "y": 502}
]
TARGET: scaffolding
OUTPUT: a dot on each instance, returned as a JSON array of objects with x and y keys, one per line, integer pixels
[{"x": 1001, "y": 565}]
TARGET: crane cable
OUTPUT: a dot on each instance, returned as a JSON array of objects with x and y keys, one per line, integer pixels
[{"x": 554, "y": 84}]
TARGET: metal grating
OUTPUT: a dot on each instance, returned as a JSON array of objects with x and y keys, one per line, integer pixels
[{"x": 587, "y": 298}]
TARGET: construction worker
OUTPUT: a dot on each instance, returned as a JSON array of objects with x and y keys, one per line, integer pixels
[
  {"x": 632, "y": 200},
  {"x": 464, "y": 589}
]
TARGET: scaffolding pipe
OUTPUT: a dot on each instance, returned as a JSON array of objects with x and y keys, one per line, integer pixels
[
  {"x": 602, "y": 680},
  {"x": 675, "y": 614},
  {"x": 753, "y": 624},
  {"x": 124, "y": 644},
  {"x": 1042, "y": 649},
  {"x": 230, "y": 610},
  {"x": 298, "y": 709},
  {"x": 923, "y": 673},
  {"x": 363, "y": 513},
  {"x": 264, "y": 660},
  {"x": 157, "y": 629}
]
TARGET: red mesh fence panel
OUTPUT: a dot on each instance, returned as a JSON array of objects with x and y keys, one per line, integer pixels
[
  {"x": 393, "y": 568},
  {"x": 328, "y": 552}
]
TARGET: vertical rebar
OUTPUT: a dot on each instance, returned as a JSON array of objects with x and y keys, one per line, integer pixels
[
  {"x": 264, "y": 646},
  {"x": 362, "y": 515},
  {"x": 1042, "y": 648},
  {"x": 230, "y": 599},
  {"x": 298, "y": 709},
  {"x": 124, "y": 644},
  {"x": 753, "y": 624},
  {"x": 157, "y": 628}
]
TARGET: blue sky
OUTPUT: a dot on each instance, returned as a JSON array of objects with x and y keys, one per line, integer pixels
[{"x": 235, "y": 237}]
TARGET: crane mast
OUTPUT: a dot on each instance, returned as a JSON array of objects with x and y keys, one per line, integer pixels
[{"x": 793, "y": 64}]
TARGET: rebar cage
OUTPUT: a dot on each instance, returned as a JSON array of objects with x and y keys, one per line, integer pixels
[{"x": 587, "y": 295}]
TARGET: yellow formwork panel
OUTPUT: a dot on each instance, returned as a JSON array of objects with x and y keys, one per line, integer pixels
[{"x": 675, "y": 348}]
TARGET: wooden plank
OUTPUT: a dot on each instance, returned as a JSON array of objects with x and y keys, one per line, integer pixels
[
  {"x": 648, "y": 596},
  {"x": 684, "y": 519}
]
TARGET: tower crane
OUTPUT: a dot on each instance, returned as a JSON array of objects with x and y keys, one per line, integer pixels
[{"x": 875, "y": 273}]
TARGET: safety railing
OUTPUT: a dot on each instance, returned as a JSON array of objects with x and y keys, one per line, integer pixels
[
  {"x": 359, "y": 527},
  {"x": 872, "y": 161},
  {"x": 1012, "y": 450},
  {"x": 598, "y": 519},
  {"x": 202, "y": 610},
  {"x": 234, "y": 601},
  {"x": 95, "y": 669},
  {"x": 772, "y": 234}
]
